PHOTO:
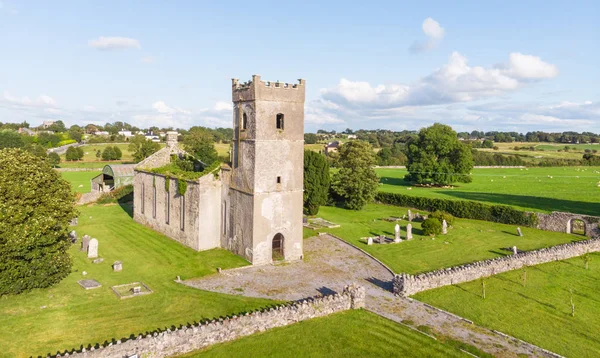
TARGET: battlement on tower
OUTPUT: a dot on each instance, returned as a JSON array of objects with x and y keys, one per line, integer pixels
[{"x": 256, "y": 89}]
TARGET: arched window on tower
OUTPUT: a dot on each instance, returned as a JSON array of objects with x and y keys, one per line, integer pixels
[
  {"x": 244, "y": 122},
  {"x": 280, "y": 121}
]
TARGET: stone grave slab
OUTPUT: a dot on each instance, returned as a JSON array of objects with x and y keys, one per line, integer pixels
[{"x": 89, "y": 284}]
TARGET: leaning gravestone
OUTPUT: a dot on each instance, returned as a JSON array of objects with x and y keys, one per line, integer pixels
[
  {"x": 444, "y": 227},
  {"x": 85, "y": 241},
  {"x": 93, "y": 249},
  {"x": 370, "y": 241},
  {"x": 515, "y": 251},
  {"x": 519, "y": 232},
  {"x": 382, "y": 239},
  {"x": 397, "y": 233},
  {"x": 73, "y": 236},
  {"x": 410, "y": 216},
  {"x": 409, "y": 232}
]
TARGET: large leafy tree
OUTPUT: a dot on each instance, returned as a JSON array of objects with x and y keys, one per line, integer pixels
[
  {"x": 201, "y": 143},
  {"x": 10, "y": 139},
  {"x": 437, "y": 157},
  {"x": 316, "y": 181},
  {"x": 356, "y": 182},
  {"x": 142, "y": 148},
  {"x": 76, "y": 133},
  {"x": 36, "y": 205}
]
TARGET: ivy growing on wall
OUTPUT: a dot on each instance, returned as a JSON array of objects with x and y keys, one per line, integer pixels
[
  {"x": 181, "y": 186},
  {"x": 167, "y": 183}
]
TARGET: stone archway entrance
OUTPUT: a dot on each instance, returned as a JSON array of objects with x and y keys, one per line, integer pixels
[
  {"x": 277, "y": 248},
  {"x": 577, "y": 227}
]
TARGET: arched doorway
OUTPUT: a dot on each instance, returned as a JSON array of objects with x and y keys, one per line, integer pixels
[
  {"x": 577, "y": 227},
  {"x": 277, "y": 248}
]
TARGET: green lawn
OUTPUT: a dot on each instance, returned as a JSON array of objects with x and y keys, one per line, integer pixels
[
  {"x": 90, "y": 151},
  {"x": 539, "y": 312},
  {"x": 80, "y": 178},
  {"x": 467, "y": 241},
  {"x": 355, "y": 333},
  {"x": 66, "y": 316},
  {"x": 571, "y": 189},
  {"x": 95, "y": 164}
]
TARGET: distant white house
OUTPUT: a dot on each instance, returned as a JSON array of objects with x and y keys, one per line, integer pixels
[
  {"x": 332, "y": 147},
  {"x": 101, "y": 133},
  {"x": 126, "y": 133},
  {"x": 352, "y": 136}
]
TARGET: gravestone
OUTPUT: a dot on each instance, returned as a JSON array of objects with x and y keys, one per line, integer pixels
[
  {"x": 97, "y": 261},
  {"x": 397, "y": 233},
  {"x": 117, "y": 266},
  {"x": 519, "y": 232},
  {"x": 410, "y": 216},
  {"x": 370, "y": 241},
  {"x": 515, "y": 250},
  {"x": 382, "y": 239},
  {"x": 305, "y": 220},
  {"x": 89, "y": 284},
  {"x": 73, "y": 236},
  {"x": 136, "y": 290},
  {"x": 93, "y": 249},
  {"x": 409, "y": 232},
  {"x": 74, "y": 222},
  {"x": 444, "y": 227},
  {"x": 85, "y": 241}
]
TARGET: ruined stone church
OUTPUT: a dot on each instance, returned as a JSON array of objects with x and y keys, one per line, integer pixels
[{"x": 252, "y": 206}]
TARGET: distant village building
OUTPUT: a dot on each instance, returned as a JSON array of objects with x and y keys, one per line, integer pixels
[
  {"x": 332, "y": 147},
  {"x": 101, "y": 133},
  {"x": 113, "y": 176},
  {"x": 125, "y": 133},
  {"x": 26, "y": 131},
  {"x": 252, "y": 207},
  {"x": 352, "y": 136},
  {"x": 47, "y": 124}
]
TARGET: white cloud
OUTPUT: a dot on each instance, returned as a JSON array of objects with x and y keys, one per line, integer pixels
[
  {"x": 148, "y": 59},
  {"x": 530, "y": 67},
  {"x": 435, "y": 34},
  {"x": 223, "y": 106},
  {"x": 114, "y": 43},
  {"x": 41, "y": 101}
]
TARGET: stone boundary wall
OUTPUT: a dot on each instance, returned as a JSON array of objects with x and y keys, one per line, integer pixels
[
  {"x": 406, "y": 285},
  {"x": 197, "y": 336},
  {"x": 476, "y": 166},
  {"x": 78, "y": 169}
]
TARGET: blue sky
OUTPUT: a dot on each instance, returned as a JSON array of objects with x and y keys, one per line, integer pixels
[{"x": 488, "y": 65}]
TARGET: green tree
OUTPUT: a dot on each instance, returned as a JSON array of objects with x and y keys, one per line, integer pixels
[
  {"x": 316, "y": 181},
  {"x": 76, "y": 133},
  {"x": 36, "y": 205},
  {"x": 79, "y": 152},
  {"x": 72, "y": 154},
  {"x": 200, "y": 142},
  {"x": 37, "y": 150},
  {"x": 310, "y": 138},
  {"x": 53, "y": 159},
  {"x": 437, "y": 157},
  {"x": 108, "y": 153},
  {"x": 118, "y": 153},
  {"x": 58, "y": 127},
  {"x": 142, "y": 148},
  {"x": 356, "y": 182},
  {"x": 98, "y": 154},
  {"x": 10, "y": 139},
  {"x": 431, "y": 226}
]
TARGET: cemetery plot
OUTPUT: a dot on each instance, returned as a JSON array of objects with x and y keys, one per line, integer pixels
[
  {"x": 129, "y": 290},
  {"x": 320, "y": 223},
  {"x": 89, "y": 284}
]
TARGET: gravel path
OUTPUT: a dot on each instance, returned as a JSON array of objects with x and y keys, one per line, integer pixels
[{"x": 329, "y": 265}]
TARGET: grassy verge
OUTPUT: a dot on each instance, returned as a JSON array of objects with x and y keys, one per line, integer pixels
[
  {"x": 467, "y": 241},
  {"x": 571, "y": 189},
  {"x": 80, "y": 181},
  {"x": 67, "y": 316},
  {"x": 534, "y": 306},
  {"x": 355, "y": 333}
]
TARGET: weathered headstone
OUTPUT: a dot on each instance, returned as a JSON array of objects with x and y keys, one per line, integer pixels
[
  {"x": 409, "y": 232},
  {"x": 305, "y": 220},
  {"x": 74, "y": 222},
  {"x": 92, "y": 249},
  {"x": 410, "y": 216},
  {"x": 370, "y": 241},
  {"x": 397, "y": 233},
  {"x": 98, "y": 260},
  {"x": 85, "y": 241},
  {"x": 444, "y": 227},
  {"x": 382, "y": 239},
  {"x": 117, "y": 266},
  {"x": 73, "y": 236},
  {"x": 519, "y": 232},
  {"x": 515, "y": 250},
  {"x": 136, "y": 290}
]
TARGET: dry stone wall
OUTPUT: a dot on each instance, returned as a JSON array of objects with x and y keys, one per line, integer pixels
[
  {"x": 561, "y": 222},
  {"x": 406, "y": 285},
  {"x": 198, "y": 336}
]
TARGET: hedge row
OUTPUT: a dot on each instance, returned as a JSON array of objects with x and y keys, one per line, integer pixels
[{"x": 462, "y": 208}]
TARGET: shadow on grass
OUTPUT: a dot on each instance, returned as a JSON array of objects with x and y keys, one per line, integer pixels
[
  {"x": 467, "y": 291},
  {"x": 394, "y": 181},
  {"x": 546, "y": 204},
  {"x": 126, "y": 203},
  {"x": 534, "y": 300}
]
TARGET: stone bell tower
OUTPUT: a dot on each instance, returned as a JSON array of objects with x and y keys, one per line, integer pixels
[{"x": 266, "y": 187}]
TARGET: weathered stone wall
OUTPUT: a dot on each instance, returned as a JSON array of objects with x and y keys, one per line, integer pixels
[
  {"x": 407, "y": 285},
  {"x": 198, "y": 336},
  {"x": 202, "y": 218},
  {"x": 561, "y": 222}
]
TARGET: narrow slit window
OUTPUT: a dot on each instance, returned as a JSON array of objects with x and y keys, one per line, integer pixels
[
  {"x": 182, "y": 214},
  {"x": 244, "y": 121},
  {"x": 278, "y": 180},
  {"x": 280, "y": 121},
  {"x": 167, "y": 206},
  {"x": 143, "y": 195},
  {"x": 154, "y": 202}
]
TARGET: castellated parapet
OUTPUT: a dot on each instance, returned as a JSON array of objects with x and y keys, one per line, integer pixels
[
  {"x": 197, "y": 336},
  {"x": 406, "y": 285},
  {"x": 256, "y": 89}
]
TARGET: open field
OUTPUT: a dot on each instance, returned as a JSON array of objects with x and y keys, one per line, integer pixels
[
  {"x": 66, "y": 316},
  {"x": 80, "y": 178},
  {"x": 90, "y": 151},
  {"x": 540, "y": 311},
  {"x": 542, "y": 150},
  {"x": 355, "y": 333},
  {"x": 571, "y": 189},
  {"x": 95, "y": 164},
  {"x": 222, "y": 148},
  {"x": 467, "y": 241}
]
